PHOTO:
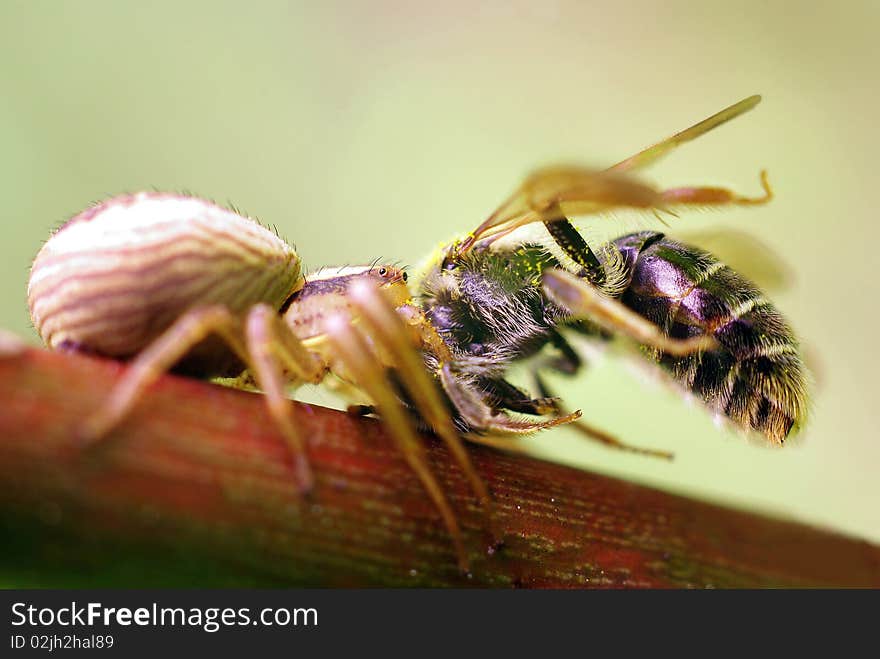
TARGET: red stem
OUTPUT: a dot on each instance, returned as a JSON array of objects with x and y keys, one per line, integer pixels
[{"x": 200, "y": 468}]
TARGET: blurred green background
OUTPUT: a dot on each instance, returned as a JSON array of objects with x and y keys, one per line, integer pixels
[{"x": 379, "y": 129}]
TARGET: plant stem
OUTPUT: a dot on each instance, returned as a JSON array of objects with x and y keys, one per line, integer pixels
[{"x": 199, "y": 471}]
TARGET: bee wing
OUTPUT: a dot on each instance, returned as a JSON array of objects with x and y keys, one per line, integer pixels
[
  {"x": 556, "y": 193},
  {"x": 655, "y": 152},
  {"x": 746, "y": 254}
]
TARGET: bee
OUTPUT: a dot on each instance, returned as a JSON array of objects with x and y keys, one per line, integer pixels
[{"x": 168, "y": 281}]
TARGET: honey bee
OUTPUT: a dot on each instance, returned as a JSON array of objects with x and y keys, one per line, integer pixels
[{"x": 171, "y": 281}]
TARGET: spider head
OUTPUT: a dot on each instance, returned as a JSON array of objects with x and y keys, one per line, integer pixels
[{"x": 329, "y": 286}]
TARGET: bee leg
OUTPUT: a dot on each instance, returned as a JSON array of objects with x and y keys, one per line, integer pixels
[
  {"x": 505, "y": 396},
  {"x": 708, "y": 196},
  {"x": 569, "y": 239},
  {"x": 359, "y": 360},
  {"x": 270, "y": 342},
  {"x": 569, "y": 362},
  {"x": 156, "y": 359},
  {"x": 388, "y": 327},
  {"x": 481, "y": 416},
  {"x": 584, "y": 300},
  {"x": 597, "y": 434}
]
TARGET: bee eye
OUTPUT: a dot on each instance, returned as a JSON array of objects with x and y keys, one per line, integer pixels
[
  {"x": 382, "y": 272},
  {"x": 404, "y": 276}
]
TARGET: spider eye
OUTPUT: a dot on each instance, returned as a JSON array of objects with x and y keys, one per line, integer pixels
[{"x": 382, "y": 272}]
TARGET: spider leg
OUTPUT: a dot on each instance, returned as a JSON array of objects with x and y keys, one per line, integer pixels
[
  {"x": 584, "y": 300},
  {"x": 366, "y": 369},
  {"x": 263, "y": 343},
  {"x": 270, "y": 342},
  {"x": 387, "y": 327},
  {"x": 163, "y": 353},
  {"x": 265, "y": 327}
]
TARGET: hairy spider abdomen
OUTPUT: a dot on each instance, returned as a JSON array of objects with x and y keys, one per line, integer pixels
[{"x": 117, "y": 275}]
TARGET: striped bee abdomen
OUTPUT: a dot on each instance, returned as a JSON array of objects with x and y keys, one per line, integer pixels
[{"x": 756, "y": 377}]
